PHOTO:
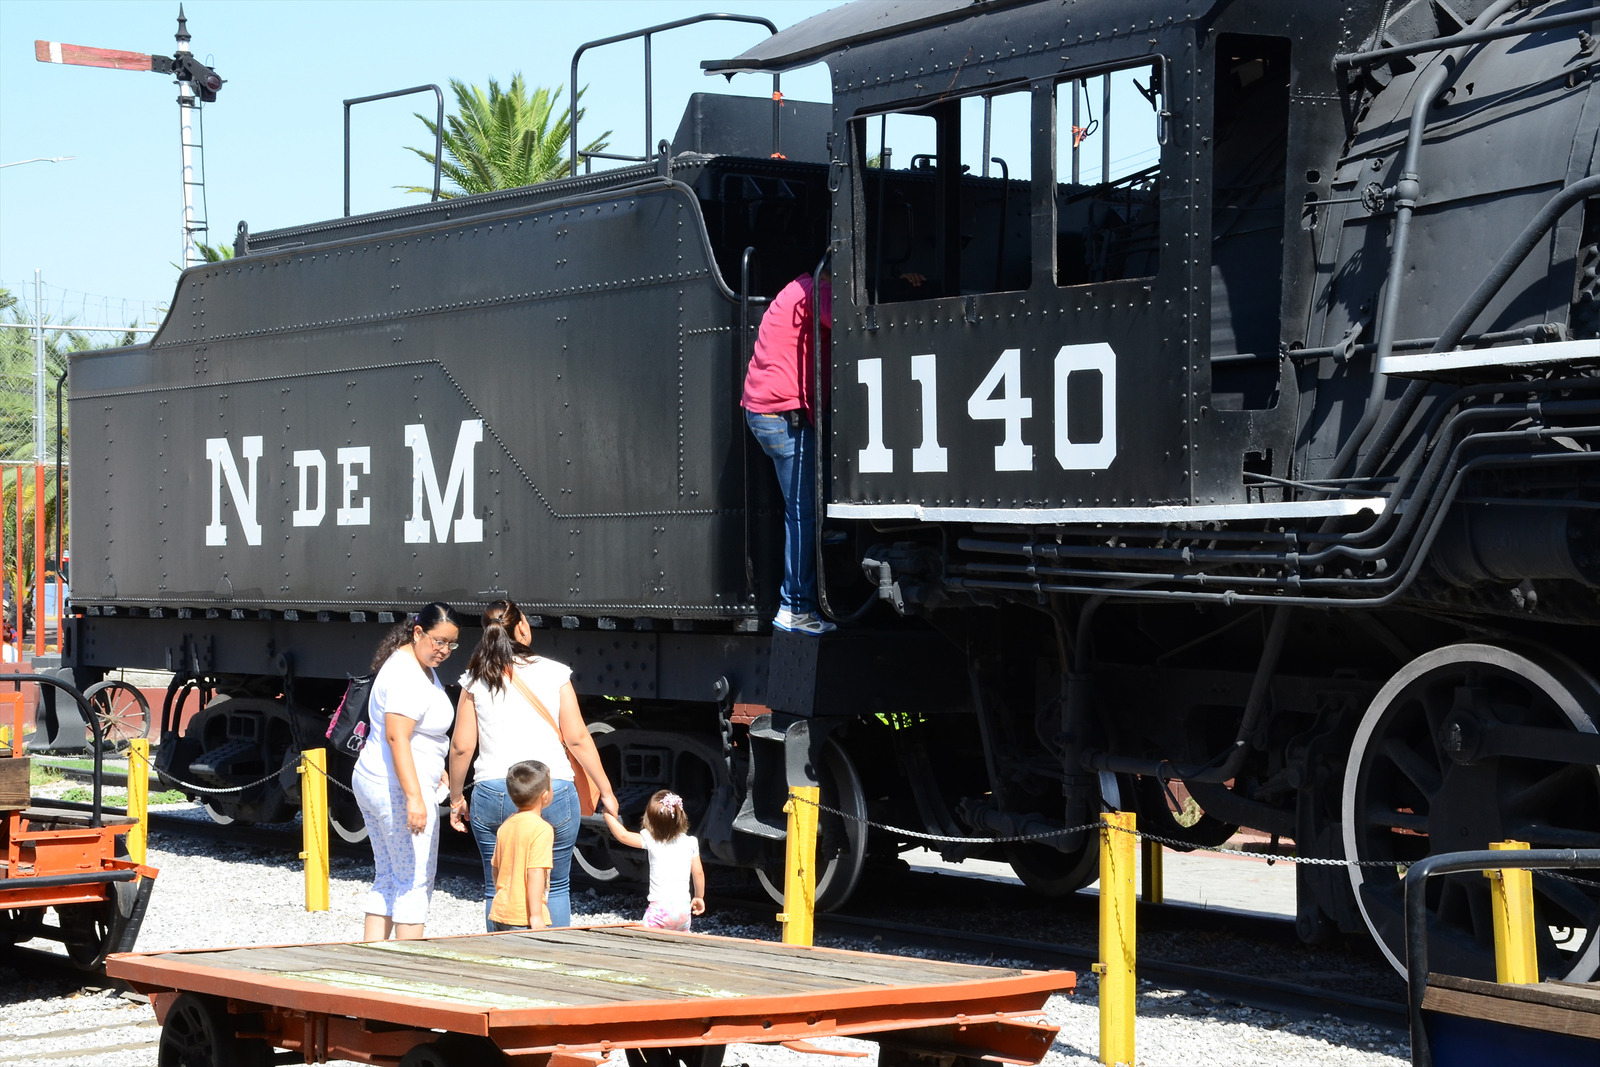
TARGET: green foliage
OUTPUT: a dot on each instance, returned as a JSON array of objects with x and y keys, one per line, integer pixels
[
  {"x": 214, "y": 253},
  {"x": 16, "y": 426},
  {"x": 503, "y": 139},
  {"x": 42, "y": 775},
  {"x": 80, "y": 794}
]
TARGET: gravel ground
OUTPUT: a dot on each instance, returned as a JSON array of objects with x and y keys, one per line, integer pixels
[{"x": 254, "y": 896}]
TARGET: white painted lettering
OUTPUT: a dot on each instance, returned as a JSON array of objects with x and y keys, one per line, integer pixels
[
  {"x": 348, "y": 514},
  {"x": 929, "y": 457},
  {"x": 875, "y": 458},
  {"x": 306, "y": 461},
  {"x": 425, "y": 481},
  {"x": 1012, "y": 408},
  {"x": 1087, "y": 455},
  {"x": 244, "y": 502}
]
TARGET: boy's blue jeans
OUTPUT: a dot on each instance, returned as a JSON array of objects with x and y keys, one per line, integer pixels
[
  {"x": 793, "y": 454},
  {"x": 491, "y": 806}
]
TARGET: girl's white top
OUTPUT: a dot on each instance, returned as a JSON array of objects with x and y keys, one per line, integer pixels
[
  {"x": 669, "y": 868},
  {"x": 510, "y": 730},
  {"x": 404, "y": 687}
]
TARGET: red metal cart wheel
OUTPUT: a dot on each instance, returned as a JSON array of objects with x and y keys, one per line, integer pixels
[
  {"x": 199, "y": 1032},
  {"x": 90, "y": 931},
  {"x": 454, "y": 1050}
]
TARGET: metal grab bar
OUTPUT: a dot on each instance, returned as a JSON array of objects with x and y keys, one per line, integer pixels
[
  {"x": 90, "y": 720},
  {"x": 438, "y": 135},
  {"x": 1465, "y": 37},
  {"x": 646, "y": 33},
  {"x": 1417, "y": 876}
]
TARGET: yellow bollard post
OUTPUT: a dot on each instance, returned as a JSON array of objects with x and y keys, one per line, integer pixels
[
  {"x": 1516, "y": 960},
  {"x": 799, "y": 865},
  {"x": 1118, "y": 847},
  {"x": 1152, "y": 877},
  {"x": 138, "y": 798},
  {"x": 314, "y": 825}
]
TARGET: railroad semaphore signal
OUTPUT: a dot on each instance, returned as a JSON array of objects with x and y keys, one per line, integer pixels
[{"x": 195, "y": 80}]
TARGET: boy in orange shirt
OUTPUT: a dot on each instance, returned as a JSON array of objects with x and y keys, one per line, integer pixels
[{"x": 522, "y": 852}]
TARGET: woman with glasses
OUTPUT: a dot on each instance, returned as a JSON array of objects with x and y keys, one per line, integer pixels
[
  {"x": 496, "y": 719},
  {"x": 401, "y": 767}
]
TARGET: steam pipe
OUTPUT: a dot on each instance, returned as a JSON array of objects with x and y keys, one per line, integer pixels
[
  {"x": 1496, "y": 279},
  {"x": 1406, "y": 192}
]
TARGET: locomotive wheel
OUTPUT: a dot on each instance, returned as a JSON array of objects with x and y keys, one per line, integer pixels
[
  {"x": 349, "y": 824},
  {"x": 199, "y": 1032},
  {"x": 217, "y": 812},
  {"x": 593, "y": 848},
  {"x": 91, "y": 931},
  {"x": 689, "y": 1056},
  {"x": 1405, "y": 797},
  {"x": 1052, "y": 873},
  {"x": 841, "y": 843}
]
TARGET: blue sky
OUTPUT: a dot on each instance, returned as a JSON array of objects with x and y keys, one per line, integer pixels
[{"x": 105, "y": 227}]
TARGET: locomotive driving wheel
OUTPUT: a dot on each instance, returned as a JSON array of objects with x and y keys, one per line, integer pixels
[
  {"x": 841, "y": 841},
  {"x": 1417, "y": 784}
]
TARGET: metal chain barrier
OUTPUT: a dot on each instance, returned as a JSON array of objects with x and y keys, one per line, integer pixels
[
  {"x": 190, "y": 787},
  {"x": 1185, "y": 846}
]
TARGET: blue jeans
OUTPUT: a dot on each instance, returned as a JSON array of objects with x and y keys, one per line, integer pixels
[
  {"x": 793, "y": 454},
  {"x": 491, "y": 807}
]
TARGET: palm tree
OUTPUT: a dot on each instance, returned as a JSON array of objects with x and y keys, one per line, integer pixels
[
  {"x": 503, "y": 139},
  {"x": 214, "y": 253}
]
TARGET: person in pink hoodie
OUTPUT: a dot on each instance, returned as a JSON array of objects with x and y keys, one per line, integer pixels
[{"x": 782, "y": 413}]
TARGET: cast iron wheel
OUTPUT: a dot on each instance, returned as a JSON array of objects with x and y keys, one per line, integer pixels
[
  {"x": 593, "y": 849},
  {"x": 1406, "y": 797},
  {"x": 454, "y": 1050},
  {"x": 91, "y": 931},
  {"x": 352, "y": 831},
  {"x": 20, "y": 924},
  {"x": 689, "y": 1056},
  {"x": 841, "y": 842},
  {"x": 1052, "y": 873},
  {"x": 199, "y": 1032}
]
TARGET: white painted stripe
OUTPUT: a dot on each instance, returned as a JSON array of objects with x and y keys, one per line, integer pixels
[
  {"x": 55, "y": 51},
  {"x": 1157, "y": 514},
  {"x": 1509, "y": 356}
]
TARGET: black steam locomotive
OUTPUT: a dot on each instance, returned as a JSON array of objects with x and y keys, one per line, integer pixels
[{"x": 1243, "y": 475}]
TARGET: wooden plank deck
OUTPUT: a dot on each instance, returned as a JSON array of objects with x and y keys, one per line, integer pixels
[{"x": 595, "y": 988}]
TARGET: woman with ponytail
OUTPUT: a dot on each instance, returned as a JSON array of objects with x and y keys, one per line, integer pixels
[
  {"x": 400, "y": 768},
  {"x": 496, "y": 719}
]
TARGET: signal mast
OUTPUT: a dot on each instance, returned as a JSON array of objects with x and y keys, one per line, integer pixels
[{"x": 198, "y": 84}]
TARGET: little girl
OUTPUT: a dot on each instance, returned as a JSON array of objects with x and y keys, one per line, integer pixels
[{"x": 674, "y": 861}]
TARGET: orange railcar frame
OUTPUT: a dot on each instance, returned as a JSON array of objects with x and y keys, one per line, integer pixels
[{"x": 990, "y": 1018}]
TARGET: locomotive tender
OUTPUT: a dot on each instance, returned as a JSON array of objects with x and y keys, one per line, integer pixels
[{"x": 1251, "y": 485}]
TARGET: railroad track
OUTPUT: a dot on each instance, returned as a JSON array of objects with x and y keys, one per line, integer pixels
[{"x": 1251, "y": 990}]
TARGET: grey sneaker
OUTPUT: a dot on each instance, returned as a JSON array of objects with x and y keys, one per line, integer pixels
[{"x": 804, "y": 623}]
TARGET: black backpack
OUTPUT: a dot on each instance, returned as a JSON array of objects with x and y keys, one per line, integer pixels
[{"x": 347, "y": 730}]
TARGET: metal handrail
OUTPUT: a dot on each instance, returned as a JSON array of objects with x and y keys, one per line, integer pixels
[
  {"x": 89, "y": 719},
  {"x": 1469, "y": 36},
  {"x": 1417, "y": 876},
  {"x": 646, "y": 33},
  {"x": 438, "y": 134}
]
